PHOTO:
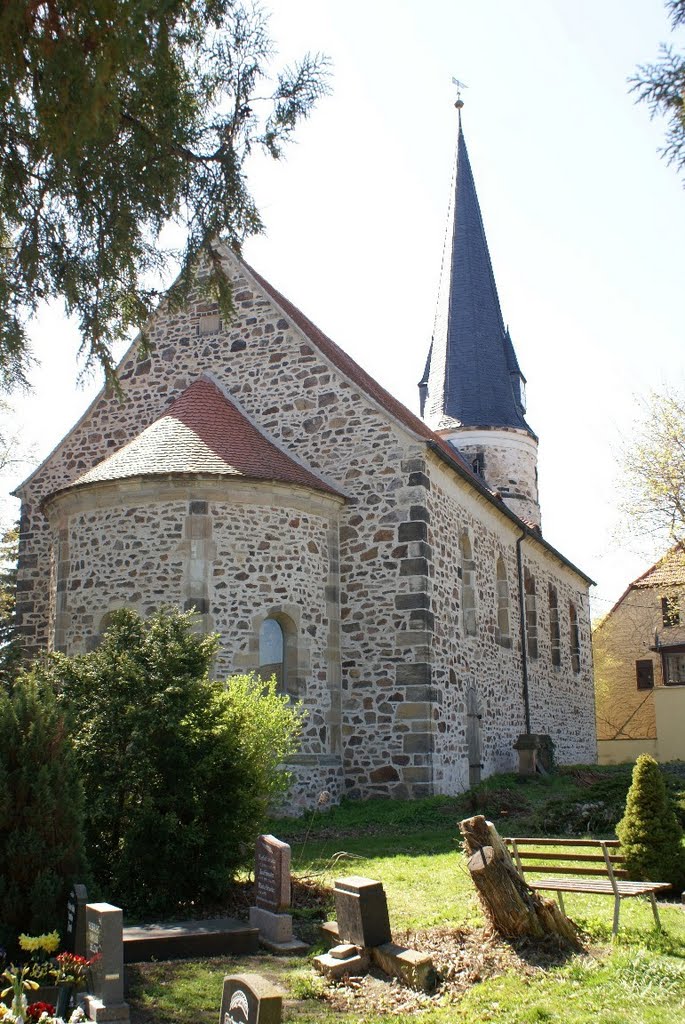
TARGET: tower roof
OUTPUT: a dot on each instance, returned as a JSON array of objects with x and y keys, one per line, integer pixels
[{"x": 472, "y": 376}]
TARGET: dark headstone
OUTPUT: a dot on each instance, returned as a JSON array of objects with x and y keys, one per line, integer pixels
[
  {"x": 272, "y": 874},
  {"x": 75, "y": 927},
  {"x": 362, "y": 911},
  {"x": 250, "y": 999}
]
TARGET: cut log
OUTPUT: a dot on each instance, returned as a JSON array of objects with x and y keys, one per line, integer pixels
[{"x": 512, "y": 907}]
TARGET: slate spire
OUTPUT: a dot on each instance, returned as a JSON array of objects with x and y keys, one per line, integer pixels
[{"x": 472, "y": 377}]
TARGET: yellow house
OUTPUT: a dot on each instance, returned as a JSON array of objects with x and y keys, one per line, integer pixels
[{"x": 639, "y": 657}]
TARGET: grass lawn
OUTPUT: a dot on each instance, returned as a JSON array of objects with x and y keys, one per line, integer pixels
[{"x": 412, "y": 848}]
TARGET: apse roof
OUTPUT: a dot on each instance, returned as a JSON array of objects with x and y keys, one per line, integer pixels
[{"x": 204, "y": 432}]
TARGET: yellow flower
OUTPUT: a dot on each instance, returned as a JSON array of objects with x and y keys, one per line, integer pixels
[{"x": 48, "y": 942}]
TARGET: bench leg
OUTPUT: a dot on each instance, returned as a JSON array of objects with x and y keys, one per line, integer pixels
[
  {"x": 560, "y": 898},
  {"x": 617, "y": 910},
  {"x": 652, "y": 900}
]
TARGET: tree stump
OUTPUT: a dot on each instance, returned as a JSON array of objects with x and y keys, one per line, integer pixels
[{"x": 512, "y": 907}]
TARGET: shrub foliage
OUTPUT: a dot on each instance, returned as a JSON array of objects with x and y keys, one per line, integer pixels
[
  {"x": 177, "y": 770},
  {"x": 650, "y": 833},
  {"x": 41, "y": 847}
]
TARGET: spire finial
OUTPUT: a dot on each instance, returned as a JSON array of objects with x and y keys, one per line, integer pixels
[{"x": 459, "y": 102}]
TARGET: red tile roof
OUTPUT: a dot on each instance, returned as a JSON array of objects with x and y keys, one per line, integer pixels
[{"x": 203, "y": 431}]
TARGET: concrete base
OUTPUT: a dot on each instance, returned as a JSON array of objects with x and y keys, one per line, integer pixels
[
  {"x": 113, "y": 1012},
  {"x": 333, "y": 968},
  {"x": 189, "y": 938},
  {"x": 414, "y": 969},
  {"x": 276, "y": 932}
]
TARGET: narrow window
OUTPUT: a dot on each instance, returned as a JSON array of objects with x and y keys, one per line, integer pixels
[
  {"x": 502, "y": 627},
  {"x": 674, "y": 669},
  {"x": 645, "y": 674},
  {"x": 554, "y": 632},
  {"x": 531, "y": 614},
  {"x": 670, "y": 612},
  {"x": 575, "y": 637},
  {"x": 272, "y": 652},
  {"x": 468, "y": 585}
]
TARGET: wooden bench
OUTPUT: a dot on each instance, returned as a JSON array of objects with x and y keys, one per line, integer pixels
[{"x": 594, "y": 865}]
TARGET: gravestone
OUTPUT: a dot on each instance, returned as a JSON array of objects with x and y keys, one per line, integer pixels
[
  {"x": 105, "y": 948},
  {"x": 362, "y": 911},
  {"x": 250, "y": 999},
  {"x": 272, "y": 897},
  {"x": 272, "y": 874},
  {"x": 75, "y": 928}
]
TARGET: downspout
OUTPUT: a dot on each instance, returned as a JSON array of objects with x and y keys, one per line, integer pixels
[{"x": 522, "y": 616}]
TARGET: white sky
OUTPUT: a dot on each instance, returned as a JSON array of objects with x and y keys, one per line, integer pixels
[{"x": 585, "y": 224}]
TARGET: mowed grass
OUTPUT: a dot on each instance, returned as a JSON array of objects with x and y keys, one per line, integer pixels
[{"x": 414, "y": 849}]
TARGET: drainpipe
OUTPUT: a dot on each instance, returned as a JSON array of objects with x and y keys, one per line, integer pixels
[{"x": 524, "y": 648}]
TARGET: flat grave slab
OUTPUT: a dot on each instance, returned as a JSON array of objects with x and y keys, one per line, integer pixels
[{"x": 175, "y": 940}]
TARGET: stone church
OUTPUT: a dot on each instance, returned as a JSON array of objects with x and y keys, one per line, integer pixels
[{"x": 389, "y": 569}]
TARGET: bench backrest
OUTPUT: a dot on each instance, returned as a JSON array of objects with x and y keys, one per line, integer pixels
[{"x": 588, "y": 856}]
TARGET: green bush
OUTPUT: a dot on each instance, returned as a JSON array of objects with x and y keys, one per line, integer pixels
[
  {"x": 650, "y": 834},
  {"x": 41, "y": 842},
  {"x": 177, "y": 771}
]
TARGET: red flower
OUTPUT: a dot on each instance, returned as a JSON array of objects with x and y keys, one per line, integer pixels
[{"x": 35, "y": 1010}]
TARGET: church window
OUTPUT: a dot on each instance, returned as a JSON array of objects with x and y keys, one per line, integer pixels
[
  {"x": 272, "y": 650},
  {"x": 554, "y": 632},
  {"x": 645, "y": 674},
  {"x": 478, "y": 464},
  {"x": 531, "y": 610},
  {"x": 502, "y": 627},
  {"x": 670, "y": 612},
  {"x": 575, "y": 637},
  {"x": 468, "y": 585}
]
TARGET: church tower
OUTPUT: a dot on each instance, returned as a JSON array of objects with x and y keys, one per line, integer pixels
[{"x": 473, "y": 391}]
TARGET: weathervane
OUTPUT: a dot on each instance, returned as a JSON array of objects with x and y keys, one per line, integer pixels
[{"x": 460, "y": 85}]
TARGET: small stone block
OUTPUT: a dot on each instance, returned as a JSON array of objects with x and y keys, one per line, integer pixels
[
  {"x": 250, "y": 999},
  {"x": 96, "y": 1010},
  {"x": 344, "y": 950},
  {"x": 414, "y": 969},
  {"x": 332, "y": 968}
]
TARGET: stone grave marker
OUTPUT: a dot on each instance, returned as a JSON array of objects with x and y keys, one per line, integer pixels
[
  {"x": 362, "y": 911},
  {"x": 75, "y": 927},
  {"x": 105, "y": 948},
  {"x": 272, "y": 897},
  {"x": 250, "y": 999},
  {"x": 272, "y": 874}
]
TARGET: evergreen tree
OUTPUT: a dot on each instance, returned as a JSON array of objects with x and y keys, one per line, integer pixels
[
  {"x": 10, "y": 639},
  {"x": 41, "y": 846},
  {"x": 117, "y": 118},
  {"x": 650, "y": 834},
  {"x": 177, "y": 770}
]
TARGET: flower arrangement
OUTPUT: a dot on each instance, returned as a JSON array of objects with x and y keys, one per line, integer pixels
[{"x": 68, "y": 971}]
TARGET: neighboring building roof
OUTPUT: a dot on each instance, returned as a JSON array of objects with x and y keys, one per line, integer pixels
[
  {"x": 669, "y": 571},
  {"x": 473, "y": 375},
  {"x": 203, "y": 431}
]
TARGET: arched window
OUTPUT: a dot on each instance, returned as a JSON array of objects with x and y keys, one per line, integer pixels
[
  {"x": 502, "y": 627},
  {"x": 531, "y": 614},
  {"x": 554, "y": 633},
  {"x": 575, "y": 637},
  {"x": 272, "y": 648},
  {"x": 468, "y": 585}
]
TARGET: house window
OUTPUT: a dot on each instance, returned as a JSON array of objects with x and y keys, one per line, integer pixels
[
  {"x": 645, "y": 674},
  {"x": 554, "y": 632},
  {"x": 674, "y": 668},
  {"x": 478, "y": 464},
  {"x": 272, "y": 652},
  {"x": 574, "y": 637},
  {"x": 670, "y": 611},
  {"x": 531, "y": 614},
  {"x": 468, "y": 585},
  {"x": 502, "y": 627}
]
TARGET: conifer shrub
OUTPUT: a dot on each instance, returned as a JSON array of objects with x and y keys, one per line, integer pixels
[
  {"x": 650, "y": 834},
  {"x": 178, "y": 771},
  {"x": 41, "y": 841}
]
